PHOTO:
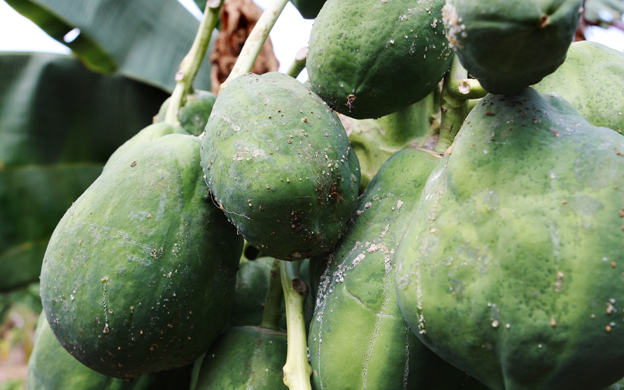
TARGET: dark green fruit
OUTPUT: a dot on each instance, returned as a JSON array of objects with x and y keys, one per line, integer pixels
[
  {"x": 139, "y": 274},
  {"x": 150, "y": 133},
  {"x": 369, "y": 58},
  {"x": 512, "y": 268},
  {"x": 279, "y": 164},
  {"x": 509, "y": 45},
  {"x": 194, "y": 115},
  {"x": 592, "y": 80},
  {"x": 359, "y": 338},
  {"x": 244, "y": 358},
  {"x": 309, "y": 9},
  {"x": 50, "y": 367}
]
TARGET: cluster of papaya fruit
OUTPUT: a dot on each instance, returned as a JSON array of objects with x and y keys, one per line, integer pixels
[{"x": 446, "y": 192}]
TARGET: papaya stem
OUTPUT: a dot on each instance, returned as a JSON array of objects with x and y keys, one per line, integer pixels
[
  {"x": 457, "y": 89},
  {"x": 297, "y": 370},
  {"x": 299, "y": 63},
  {"x": 255, "y": 41},
  {"x": 273, "y": 302},
  {"x": 192, "y": 61}
]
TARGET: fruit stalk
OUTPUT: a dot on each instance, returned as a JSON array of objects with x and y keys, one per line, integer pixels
[
  {"x": 456, "y": 91},
  {"x": 256, "y": 40},
  {"x": 273, "y": 303},
  {"x": 297, "y": 369},
  {"x": 192, "y": 61},
  {"x": 299, "y": 63}
]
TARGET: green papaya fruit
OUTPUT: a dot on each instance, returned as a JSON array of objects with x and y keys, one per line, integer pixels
[
  {"x": 509, "y": 45},
  {"x": 50, "y": 367},
  {"x": 376, "y": 140},
  {"x": 244, "y": 358},
  {"x": 278, "y": 162},
  {"x": 591, "y": 79},
  {"x": 309, "y": 9},
  {"x": 359, "y": 338},
  {"x": 150, "y": 133},
  {"x": 194, "y": 115},
  {"x": 512, "y": 267},
  {"x": 139, "y": 274},
  {"x": 369, "y": 58}
]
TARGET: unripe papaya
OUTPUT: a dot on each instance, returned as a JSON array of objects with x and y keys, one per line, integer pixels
[
  {"x": 278, "y": 162},
  {"x": 369, "y": 58},
  {"x": 592, "y": 80},
  {"x": 244, "y": 358},
  {"x": 194, "y": 114},
  {"x": 512, "y": 268},
  {"x": 509, "y": 45},
  {"x": 139, "y": 274},
  {"x": 50, "y": 367},
  {"x": 150, "y": 133},
  {"x": 358, "y": 338}
]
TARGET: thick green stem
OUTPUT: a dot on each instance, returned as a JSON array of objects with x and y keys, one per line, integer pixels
[
  {"x": 456, "y": 92},
  {"x": 256, "y": 40},
  {"x": 299, "y": 63},
  {"x": 273, "y": 303},
  {"x": 192, "y": 61},
  {"x": 297, "y": 369}
]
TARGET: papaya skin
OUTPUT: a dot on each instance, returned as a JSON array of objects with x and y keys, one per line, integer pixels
[
  {"x": 509, "y": 45},
  {"x": 278, "y": 162},
  {"x": 51, "y": 367},
  {"x": 511, "y": 270},
  {"x": 246, "y": 357},
  {"x": 358, "y": 337},
  {"x": 139, "y": 274},
  {"x": 591, "y": 79},
  {"x": 368, "y": 58},
  {"x": 150, "y": 133}
]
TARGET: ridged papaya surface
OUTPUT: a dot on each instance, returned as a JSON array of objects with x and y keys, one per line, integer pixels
[
  {"x": 509, "y": 45},
  {"x": 278, "y": 162},
  {"x": 358, "y": 338},
  {"x": 194, "y": 115},
  {"x": 139, "y": 274},
  {"x": 592, "y": 80},
  {"x": 244, "y": 358},
  {"x": 50, "y": 367},
  {"x": 512, "y": 268},
  {"x": 369, "y": 58}
]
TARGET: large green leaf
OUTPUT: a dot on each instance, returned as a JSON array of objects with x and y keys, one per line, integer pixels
[
  {"x": 59, "y": 122},
  {"x": 143, "y": 39}
]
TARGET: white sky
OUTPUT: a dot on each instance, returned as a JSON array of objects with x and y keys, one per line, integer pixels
[{"x": 290, "y": 33}]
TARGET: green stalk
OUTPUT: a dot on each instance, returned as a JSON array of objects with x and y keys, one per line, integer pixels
[
  {"x": 273, "y": 302},
  {"x": 297, "y": 370},
  {"x": 256, "y": 40},
  {"x": 457, "y": 90},
  {"x": 299, "y": 63},
  {"x": 191, "y": 62}
]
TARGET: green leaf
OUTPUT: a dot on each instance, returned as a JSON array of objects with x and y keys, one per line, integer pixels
[
  {"x": 59, "y": 123},
  {"x": 144, "y": 39}
]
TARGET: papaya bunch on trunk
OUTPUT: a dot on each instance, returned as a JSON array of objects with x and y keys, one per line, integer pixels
[{"x": 492, "y": 261}]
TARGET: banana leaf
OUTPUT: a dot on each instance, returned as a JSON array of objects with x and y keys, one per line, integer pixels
[
  {"x": 144, "y": 39},
  {"x": 59, "y": 123}
]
